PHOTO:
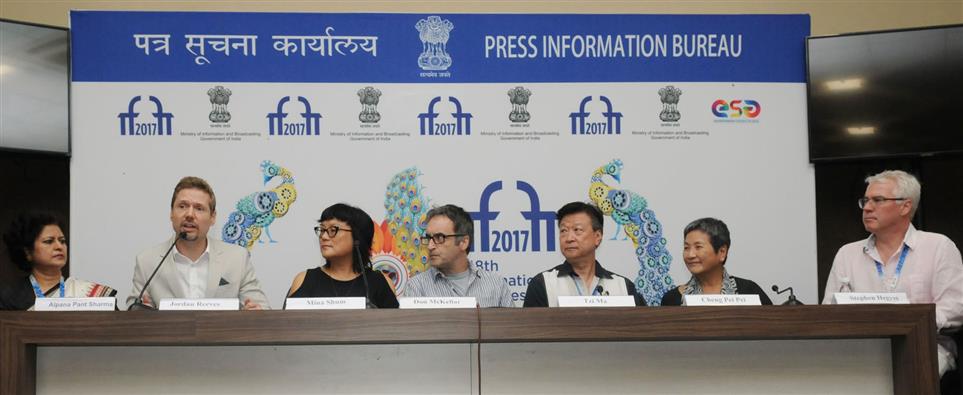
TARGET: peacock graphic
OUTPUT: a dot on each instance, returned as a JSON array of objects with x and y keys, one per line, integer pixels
[
  {"x": 630, "y": 211},
  {"x": 258, "y": 210},
  {"x": 397, "y": 248}
]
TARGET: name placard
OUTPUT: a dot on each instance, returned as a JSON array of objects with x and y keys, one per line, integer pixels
[
  {"x": 348, "y": 303},
  {"x": 438, "y": 303},
  {"x": 721, "y": 300},
  {"x": 870, "y": 298},
  {"x": 596, "y": 301},
  {"x": 226, "y": 304},
  {"x": 75, "y": 304}
]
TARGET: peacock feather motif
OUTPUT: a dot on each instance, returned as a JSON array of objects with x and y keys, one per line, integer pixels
[
  {"x": 631, "y": 212},
  {"x": 257, "y": 211},
  {"x": 397, "y": 248}
]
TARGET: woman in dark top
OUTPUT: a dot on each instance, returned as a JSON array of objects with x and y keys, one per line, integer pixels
[
  {"x": 345, "y": 234},
  {"x": 705, "y": 251},
  {"x": 37, "y": 245}
]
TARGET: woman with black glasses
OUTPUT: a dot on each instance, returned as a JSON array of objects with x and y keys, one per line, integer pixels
[{"x": 344, "y": 235}]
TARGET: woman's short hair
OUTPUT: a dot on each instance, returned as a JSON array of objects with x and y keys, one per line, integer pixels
[
  {"x": 717, "y": 231},
  {"x": 23, "y": 232},
  {"x": 362, "y": 230}
]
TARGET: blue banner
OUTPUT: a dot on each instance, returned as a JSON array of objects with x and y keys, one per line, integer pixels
[{"x": 444, "y": 48}]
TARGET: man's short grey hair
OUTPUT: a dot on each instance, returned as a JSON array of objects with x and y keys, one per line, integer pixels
[{"x": 907, "y": 186}]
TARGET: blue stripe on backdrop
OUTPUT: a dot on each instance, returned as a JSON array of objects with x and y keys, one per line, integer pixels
[{"x": 452, "y": 48}]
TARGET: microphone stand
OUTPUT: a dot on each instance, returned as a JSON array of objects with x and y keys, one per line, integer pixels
[
  {"x": 139, "y": 303},
  {"x": 792, "y": 301},
  {"x": 368, "y": 304}
]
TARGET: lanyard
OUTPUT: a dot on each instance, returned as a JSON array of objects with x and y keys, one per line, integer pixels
[
  {"x": 39, "y": 292},
  {"x": 891, "y": 283},
  {"x": 578, "y": 286}
]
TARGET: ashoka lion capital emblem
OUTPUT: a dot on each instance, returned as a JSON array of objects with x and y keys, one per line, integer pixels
[
  {"x": 219, "y": 96},
  {"x": 433, "y": 33},
  {"x": 369, "y": 104},
  {"x": 518, "y": 96},
  {"x": 670, "y": 104}
]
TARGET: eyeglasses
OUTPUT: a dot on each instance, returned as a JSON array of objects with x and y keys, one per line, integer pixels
[
  {"x": 438, "y": 238},
  {"x": 332, "y": 231},
  {"x": 877, "y": 200}
]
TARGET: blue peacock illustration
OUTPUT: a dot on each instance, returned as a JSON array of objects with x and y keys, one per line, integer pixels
[
  {"x": 397, "y": 248},
  {"x": 258, "y": 210},
  {"x": 630, "y": 210}
]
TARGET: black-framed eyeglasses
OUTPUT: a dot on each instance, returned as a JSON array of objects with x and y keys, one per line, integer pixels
[
  {"x": 331, "y": 231},
  {"x": 877, "y": 200},
  {"x": 438, "y": 238}
]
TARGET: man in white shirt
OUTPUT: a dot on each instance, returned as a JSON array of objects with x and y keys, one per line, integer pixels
[
  {"x": 899, "y": 258},
  {"x": 199, "y": 267}
]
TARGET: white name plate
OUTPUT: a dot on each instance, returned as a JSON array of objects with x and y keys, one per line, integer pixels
[
  {"x": 325, "y": 303},
  {"x": 175, "y": 304},
  {"x": 721, "y": 300},
  {"x": 596, "y": 301},
  {"x": 870, "y": 298},
  {"x": 75, "y": 304},
  {"x": 438, "y": 303}
]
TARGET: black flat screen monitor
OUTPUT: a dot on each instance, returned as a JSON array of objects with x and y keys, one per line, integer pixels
[
  {"x": 34, "y": 72},
  {"x": 886, "y": 94}
]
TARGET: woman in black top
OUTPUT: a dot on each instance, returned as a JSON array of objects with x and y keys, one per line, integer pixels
[
  {"x": 705, "y": 251},
  {"x": 345, "y": 234}
]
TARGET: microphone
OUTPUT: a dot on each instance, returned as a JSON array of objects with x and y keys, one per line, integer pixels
[
  {"x": 601, "y": 291},
  {"x": 139, "y": 303},
  {"x": 792, "y": 301},
  {"x": 364, "y": 277}
]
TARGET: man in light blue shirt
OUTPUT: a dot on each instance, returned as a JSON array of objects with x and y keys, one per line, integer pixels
[{"x": 448, "y": 238}]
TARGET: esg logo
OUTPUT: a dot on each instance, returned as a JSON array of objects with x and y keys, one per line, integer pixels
[{"x": 736, "y": 108}]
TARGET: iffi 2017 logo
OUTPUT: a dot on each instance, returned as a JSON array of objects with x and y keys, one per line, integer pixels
[
  {"x": 434, "y": 33},
  {"x": 736, "y": 109},
  {"x": 461, "y": 120},
  {"x": 581, "y": 124},
  {"x": 514, "y": 240},
  {"x": 308, "y": 124},
  {"x": 159, "y": 125}
]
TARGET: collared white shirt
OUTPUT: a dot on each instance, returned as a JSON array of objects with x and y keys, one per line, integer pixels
[
  {"x": 932, "y": 273},
  {"x": 193, "y": 274}
]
